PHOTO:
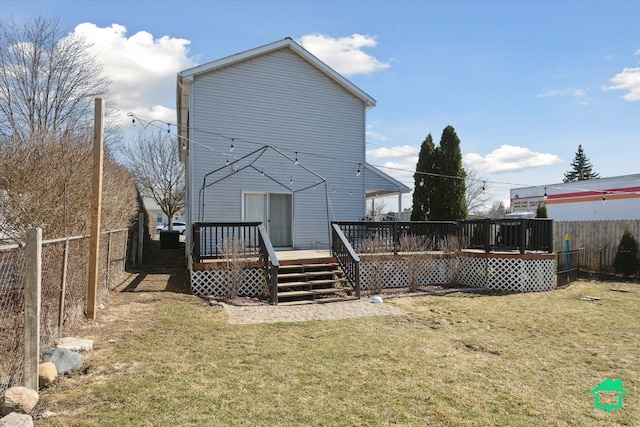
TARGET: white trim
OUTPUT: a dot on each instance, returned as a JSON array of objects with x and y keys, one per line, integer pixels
[{"x": 190, "y": 73}]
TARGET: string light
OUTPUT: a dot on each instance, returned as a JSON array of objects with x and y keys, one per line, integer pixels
[
  {"x": 358, "y": 173},
  {"x": 296, "y": 162},
  {"x": 483, "y": 184},
  {"x": 422, "y": 182},
  {"x": 147, "y": 123}
]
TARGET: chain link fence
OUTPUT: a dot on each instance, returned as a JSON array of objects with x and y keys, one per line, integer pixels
[{"x": 65, "y": 264}]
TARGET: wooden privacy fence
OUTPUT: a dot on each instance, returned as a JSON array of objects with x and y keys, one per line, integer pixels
[
  {"x": 597, "y": 242},
  {"x": 593, "y": 234},
  {"x": 43, "y": 292}
]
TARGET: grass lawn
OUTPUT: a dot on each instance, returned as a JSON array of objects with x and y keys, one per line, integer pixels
[{"x": 462, "y": 359}]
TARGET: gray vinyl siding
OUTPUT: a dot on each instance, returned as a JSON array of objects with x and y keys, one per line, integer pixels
[{"x": 281, "y": 100}]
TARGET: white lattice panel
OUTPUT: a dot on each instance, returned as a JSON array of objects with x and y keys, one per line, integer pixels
[
  {"x": 473, "y": 272},
  {"x": 539, "y": 275},
  {"x": 213, "y": 283},
  {"x": 394, "y": 273},
  {"x": 434, "y": 271},
  {"x": 504, "y": 274}
]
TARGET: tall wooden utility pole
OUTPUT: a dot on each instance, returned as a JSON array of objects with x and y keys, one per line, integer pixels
[{"x": 96, "y": 207}]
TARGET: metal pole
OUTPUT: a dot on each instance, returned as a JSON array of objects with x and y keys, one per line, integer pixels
[{"x": 63, "y": 290}]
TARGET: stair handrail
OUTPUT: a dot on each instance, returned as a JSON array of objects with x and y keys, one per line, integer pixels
[
  {"x": 269, "y": 261},
  {"x": 347, "y": 257}
]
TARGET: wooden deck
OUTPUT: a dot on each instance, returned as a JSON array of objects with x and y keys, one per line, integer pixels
[{"x": 307, "y": 254}]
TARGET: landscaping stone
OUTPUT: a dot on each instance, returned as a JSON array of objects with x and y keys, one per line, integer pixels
[
  {"x": 19, "y": 399},
  {"x": 47, "y": 373},
  {"x": 64, "y": 359},
  {"x": 75, "y": 344},
  {"x": 15, "y": 419}
]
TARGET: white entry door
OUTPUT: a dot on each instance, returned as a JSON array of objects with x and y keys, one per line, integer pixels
[{"x": 275, "y": 211}]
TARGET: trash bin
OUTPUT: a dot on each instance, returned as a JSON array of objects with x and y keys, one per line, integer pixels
[{"x": 169, "y": 239}]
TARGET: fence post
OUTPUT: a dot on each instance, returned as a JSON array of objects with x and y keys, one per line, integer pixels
[
  {"x": 96, "y": 207},
  {"x": 523, "y": 235},
  {"x": 32, "y": 296},
  {"x": 63, "y": 288},
  {"x": 487, "y": 235}
]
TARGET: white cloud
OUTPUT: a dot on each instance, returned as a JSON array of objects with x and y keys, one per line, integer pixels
[
  {"x": 402, "y": 171},
  {"x": 344, "y": 54},
  {"x": 142, "y": 68},
  {"x": 510, "y": 158},
  {"x": 407, "y": 151},
  {"x": 581, "y": 96},
  {"x": 548, "y": 94},
  {"x": 628, "y": 79}
]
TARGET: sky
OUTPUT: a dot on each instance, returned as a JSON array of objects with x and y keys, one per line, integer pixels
[{"x": 524, "y": 83}]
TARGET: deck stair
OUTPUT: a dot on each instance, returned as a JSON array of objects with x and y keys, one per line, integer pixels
[{"x": 312, "y": 280}]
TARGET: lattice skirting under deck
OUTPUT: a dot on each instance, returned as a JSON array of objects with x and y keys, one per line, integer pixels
[
  {"x": 213, "y": 283},
  {"x": 514, "y": 274}
]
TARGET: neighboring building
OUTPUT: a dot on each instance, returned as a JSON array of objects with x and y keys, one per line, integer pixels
[
  {"x": 154, "y": 211},
  {"x": 615, "y": 198},
  {"x": 275, "y": 135}
]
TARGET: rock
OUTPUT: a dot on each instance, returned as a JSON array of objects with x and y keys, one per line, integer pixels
[
  {"x": 64, "y": 359},
  {"x": 48, "y": 414},
  {"x": 19, "y": 399},
  {"x": 15, "y": 419},
  {"x": 75, "y": 344},
  {"x": 47, "y": 373}
]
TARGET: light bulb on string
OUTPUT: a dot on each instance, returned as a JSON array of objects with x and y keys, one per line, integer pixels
[
  {"x": 262, "y": 172},
  {"x": 334, "y": 188},
  {"x": 296, "y": 161},
  {"x": 351, "y": 192},
  {"x": 291, "y": 181},
  {"x": 421, "y": 182},
  {"x": 232, "y": 147},
  {"x": 358, "y": 173},
  {"x": 483, "y": 184},
  {"x": 168, "y": 127}
]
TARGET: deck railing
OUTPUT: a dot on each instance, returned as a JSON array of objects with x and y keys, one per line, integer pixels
[
  {"x": 497, "y": 235},
  {"x": 269, "y": 261},
  {"x": 346, "y": 256},
  {"x": 209, "y": 238},
  {"x": 486, "y": 234},
  {"x": 388, "y": 234}
]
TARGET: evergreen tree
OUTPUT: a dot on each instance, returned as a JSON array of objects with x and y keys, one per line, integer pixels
[
  {"x": 581, "y": 168},
  {"x": 449, "y": 201},
  {"x": 626, "y": 261},
  {"x": 424, "y": 182},
  {"x": 541, "y": 211}
]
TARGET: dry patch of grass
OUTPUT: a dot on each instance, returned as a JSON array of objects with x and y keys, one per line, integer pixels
[{"x": 525, "y": 359}]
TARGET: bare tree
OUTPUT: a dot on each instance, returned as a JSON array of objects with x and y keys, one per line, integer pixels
[
  {"x": 476, "y": 194},
  {"x": 157, "y": 170},
  {"x": 48, "y": 80},
  {"x": 497, "y": 210}
]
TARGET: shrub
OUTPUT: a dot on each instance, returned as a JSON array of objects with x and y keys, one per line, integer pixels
[{"x": 626, "y": 261}]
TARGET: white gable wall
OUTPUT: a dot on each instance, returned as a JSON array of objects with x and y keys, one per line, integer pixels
[{"x": 281, "y": 100}]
